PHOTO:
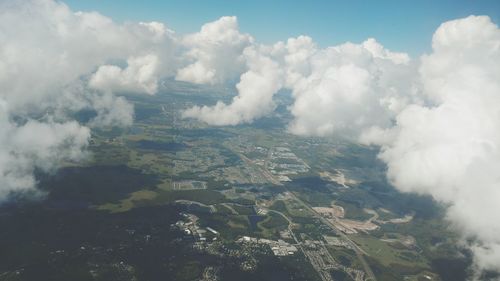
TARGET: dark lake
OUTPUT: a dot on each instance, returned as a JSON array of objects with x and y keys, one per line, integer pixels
[
  {"x": 340, "y": 275},
  {"x": 254, "y": 219},
  {"x": 452, "y": 269},
  {"x": 310, "y": 183}
]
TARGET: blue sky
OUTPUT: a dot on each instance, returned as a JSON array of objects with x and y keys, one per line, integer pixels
[{"x": 400, "y": 25}]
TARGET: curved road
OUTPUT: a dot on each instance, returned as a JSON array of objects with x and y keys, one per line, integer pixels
[{"x": 359, "y": 252}]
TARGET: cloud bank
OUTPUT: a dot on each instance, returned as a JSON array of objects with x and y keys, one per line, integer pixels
[
  {"x": 35, "y": 145},
  {"x": 450, "y": 148},
  {"x": 345, "y": 88},
  {"x": 55, "y": 62},
  {"x": 255, "y": 91},
  {"x": 215, "y": 52}
]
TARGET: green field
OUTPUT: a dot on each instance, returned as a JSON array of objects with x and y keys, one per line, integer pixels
[{"x": 388, "y": 255}]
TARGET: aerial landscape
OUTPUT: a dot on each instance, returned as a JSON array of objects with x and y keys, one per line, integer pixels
[{"x": 130, "y": 151}]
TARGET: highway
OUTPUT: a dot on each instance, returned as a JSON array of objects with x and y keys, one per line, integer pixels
[
  {"x": 359, "y": 252},
  {"x": 317, "y": 260},
  {"x": 325, "y": 276}
]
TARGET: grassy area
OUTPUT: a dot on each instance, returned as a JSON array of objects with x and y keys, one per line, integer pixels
[
  {"x": 151, "y": 162},
  {"x": 272, "y": 225},
  {"x": 109, "y": 153},
  {"x": 387, "y": 255},
  {"x": 244, "y": 210},
  {"x": 386, "y": 214},
  {"x": 291, "y": 209},
  {"x": 296, "y": 209},
  {"x": 161, "y": 197},
  {"x": 353, "y": 212},
  {"x": 128, "y": 203},
  {"x": 203, "y": 196},
  {"x": 230, "y": 227},
  {"x": 344, "y": 256},
  {"x": 165, "y": 185},
  {"x": 279, "y": 206},
  {"x": 222, "y": 209}
]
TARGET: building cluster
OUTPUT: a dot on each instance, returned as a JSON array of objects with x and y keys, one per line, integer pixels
[
  {"x": 283, "y": 162},
  {"x": 191, "y": 228},
  {"x": 279, "y": 248},
  {"x": 336, "y": 241}
]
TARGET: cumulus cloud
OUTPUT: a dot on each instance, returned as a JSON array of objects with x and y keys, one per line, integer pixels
[
  {"x": 35, "y": 145},
  {"x": 111, "y": 111},
  {"x": 47, "y": 44},
  {"x": 255, "y": 91},
  {"x": 450, "y": 147},
  {"x": 152, "y": 59},
  {"x": 48, "y": 57},
  {"x": 345, "y": 88},
  {"x": 215, "y": 51},
  {"x": 140, "y": 75}
]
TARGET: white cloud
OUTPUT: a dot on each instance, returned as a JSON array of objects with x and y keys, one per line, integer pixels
[
  {"x": 50, "y": 46},
  {"x": 450, "y": 148},
  {"x": 255, "y": 91},
  {"x": 378, "y": 51},
  {"x": 297, "y": 56},
  {"x": 152, "y": 59},
  {"x": 47, "y": 54},
  {"x": 35, "y": 145},
  {"x": 216, "y": 52},
  {"x": 346, "y": 88},
  {"x": 111, "y": 111},
  {"x": 139, "y": 76}
]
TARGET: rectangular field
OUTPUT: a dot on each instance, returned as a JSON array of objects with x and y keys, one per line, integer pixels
[{"x": 189, "y": 185}]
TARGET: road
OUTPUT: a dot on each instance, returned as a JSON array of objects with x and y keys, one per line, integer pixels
[
  {"x": 325, "y": 276},
  {"x": 359, "y": 252},
  {"x": 263, "y": 171},
  {"x": 315, "y": 260}
]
